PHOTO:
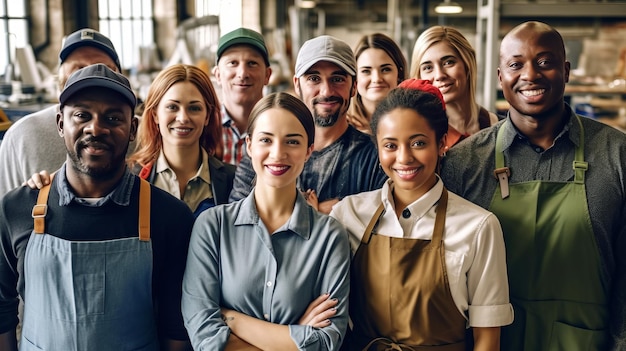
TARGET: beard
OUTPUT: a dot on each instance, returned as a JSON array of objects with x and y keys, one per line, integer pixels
[
  {"x": 328, "y": 119},
  {"x": 103, "y": 172}
]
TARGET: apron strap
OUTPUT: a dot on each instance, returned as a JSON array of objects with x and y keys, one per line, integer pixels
[
  {"x": 501, "y": 172},
  {"x": 144, "y": 210},
  {"x": 370, "y": 227},
  {"x": 40, "y": 210},
  {"x": 580, "y": 166}
]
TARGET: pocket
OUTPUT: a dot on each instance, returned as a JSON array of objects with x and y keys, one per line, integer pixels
[{"x": 567, "y": 337}]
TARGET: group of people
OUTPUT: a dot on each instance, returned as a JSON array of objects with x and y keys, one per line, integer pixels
[{"x": 370, "y": 210}]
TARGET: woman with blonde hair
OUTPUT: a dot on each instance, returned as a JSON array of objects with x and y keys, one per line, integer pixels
[
  {"x": 443, "y": 56},
  {"x": 179, "y": 139},
  {"x": 381, "y": 66}
]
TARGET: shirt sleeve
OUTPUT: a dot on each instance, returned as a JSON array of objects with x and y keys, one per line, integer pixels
[
  {"x": 487, "y": 280},
  {"x": 10, "y": 176},
  {"x": 244, "y": 179},
  {"x": 201, "y": 286},
  {"x": 336, "y": 281}
]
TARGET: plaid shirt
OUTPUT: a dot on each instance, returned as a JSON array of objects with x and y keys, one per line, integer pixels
[{"x": 234, "y": 142}]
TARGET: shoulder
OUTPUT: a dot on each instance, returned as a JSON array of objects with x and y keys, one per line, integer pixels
[
  {"x": 355, "y": 208},
  {"x": 219, "y": 166},
  {"x": 165, "y": 204},
  {"x": 39, "y": 120}
]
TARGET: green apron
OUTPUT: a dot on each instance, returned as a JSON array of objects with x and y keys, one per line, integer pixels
[{"x": 553, "y": 261}]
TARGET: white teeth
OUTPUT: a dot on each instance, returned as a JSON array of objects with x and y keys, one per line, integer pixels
[
  {"x": 182, "y": 130},
  {"x": 533, "y": 92},
  {"x": 278, "y": 168},
  {"x": 406, "y": 171}
]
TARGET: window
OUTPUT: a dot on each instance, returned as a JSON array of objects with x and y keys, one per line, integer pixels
[
  {"x": 129, "y": 25},
  {"x": 13, "y": 30}
]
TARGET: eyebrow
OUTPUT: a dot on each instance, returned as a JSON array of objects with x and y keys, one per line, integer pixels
[
  {"x": 383, "y": 65},
  {"x": 291, "y": 135},
  {"x": 411, "y": 137}
]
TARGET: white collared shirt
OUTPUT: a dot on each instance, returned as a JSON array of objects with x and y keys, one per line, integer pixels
[{"x": 473, "y": 241}]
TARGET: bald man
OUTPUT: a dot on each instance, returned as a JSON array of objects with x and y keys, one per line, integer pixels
[{"x": 557, "y": 183}]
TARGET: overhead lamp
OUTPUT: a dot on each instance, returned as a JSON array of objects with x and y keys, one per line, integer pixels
[
  {"x": 306, "y": 4},
  {"x": 448, "y": 7}
]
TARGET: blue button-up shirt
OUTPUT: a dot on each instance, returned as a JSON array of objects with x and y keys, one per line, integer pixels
[{"x": 234, "y": 262}]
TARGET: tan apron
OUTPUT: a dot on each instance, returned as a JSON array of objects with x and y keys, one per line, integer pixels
[
  {"x": 400, "y": 296},
  {"x": 553, "y": 262}
]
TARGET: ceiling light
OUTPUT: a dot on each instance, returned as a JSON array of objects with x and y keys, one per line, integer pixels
[
  {"x": 307, "y": 4},
  {"x": 448, "y": 7}
]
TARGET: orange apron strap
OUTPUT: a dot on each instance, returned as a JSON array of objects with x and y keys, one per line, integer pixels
[
  {"x": 144, "y": 210},
  {"x": 41, "y": 208}
]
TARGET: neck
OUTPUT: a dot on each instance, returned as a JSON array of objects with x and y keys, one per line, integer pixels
[
  {"x": 88, "y": 187},
  {"x": 541, "y": 130},
  {"x": 324, "y": 136},
  {"x": 239, "y": 114},
  {"x": 463, "y": 116},
  {"x": 274, "y": 205},
  {"x": 368, "y": 108}
]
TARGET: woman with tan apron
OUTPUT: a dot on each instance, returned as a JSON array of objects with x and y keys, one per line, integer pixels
[{"x": 427, "y": 264}]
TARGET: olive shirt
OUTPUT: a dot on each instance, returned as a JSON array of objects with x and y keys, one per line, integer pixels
[
  {"x": 234, "y": 262},
  {"x": 468, "y": 168}
]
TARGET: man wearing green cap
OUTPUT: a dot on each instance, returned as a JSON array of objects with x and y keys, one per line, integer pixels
[{"x": 242, "y": 70}]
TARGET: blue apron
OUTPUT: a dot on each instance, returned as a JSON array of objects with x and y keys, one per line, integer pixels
[{"x": 89, "y": 295}]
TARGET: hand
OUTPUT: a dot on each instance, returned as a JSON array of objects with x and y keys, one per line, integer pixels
[
  {"x": 327, "y": 206},
  {"x": 319, "y": 312},
  {"x": 38, "y": 180},
  {"x": 311, "y": 198}
]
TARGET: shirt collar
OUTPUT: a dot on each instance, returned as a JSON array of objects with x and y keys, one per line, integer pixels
[
  {"x": 226, "y": 120},
  {"x": 571, "y": 129},
  {"x": 162, "y": 165},
  {"x": 298, "y": 223},
  {"x": 418, "y": 207},
  {"x": 120, "y": 194}
]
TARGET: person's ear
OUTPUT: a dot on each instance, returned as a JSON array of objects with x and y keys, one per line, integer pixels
[
  {"x": 134, "y": 124},
  {"x": 309, "y": 151},
  {"x": 248, "y": 144},
  {"x": 443, "y": 148},
  {"x": 60, "y": 123}
]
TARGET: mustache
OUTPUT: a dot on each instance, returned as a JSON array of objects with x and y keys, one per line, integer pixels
[
  {"x": 94, "y": 141},
  {"x": 328, "y": 99}
]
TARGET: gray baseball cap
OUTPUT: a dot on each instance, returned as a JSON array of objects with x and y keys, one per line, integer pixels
[
  {"x": 88, "y": 37},
  {"x": 325, "y": 48},
  {"x": 98, "y": 75}
]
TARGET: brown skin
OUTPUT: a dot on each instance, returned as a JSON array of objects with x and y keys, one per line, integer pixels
[{"x": 533, "y": 72}]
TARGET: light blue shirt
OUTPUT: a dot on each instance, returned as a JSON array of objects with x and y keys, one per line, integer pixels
[{"x": 235, "y": 263}]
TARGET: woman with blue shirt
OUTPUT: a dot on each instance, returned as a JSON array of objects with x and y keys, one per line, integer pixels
[{"x": 256, "y": 267}]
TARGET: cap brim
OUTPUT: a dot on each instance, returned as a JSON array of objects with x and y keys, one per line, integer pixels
[
  {"x": 100, "y": 82},
  {"x": 306, "y": 66}
]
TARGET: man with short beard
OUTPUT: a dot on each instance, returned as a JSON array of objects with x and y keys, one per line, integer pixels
[
  {"x": 98, "y": 255},
  {"x": 344, "y": 160}
]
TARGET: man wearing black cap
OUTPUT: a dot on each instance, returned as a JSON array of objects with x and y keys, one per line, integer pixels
[
  {"x": 32, "y": 144},
  {"x": 94, "y": 255},
  {"x": 242, "y": 70},
  {"x": 344, "y": 161}
]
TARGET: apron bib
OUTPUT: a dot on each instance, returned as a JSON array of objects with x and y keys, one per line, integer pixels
[
  {"x": 88, "y": 295},
  {"x": 559, "y": 300},
  {"x": 400, "y": 296}
]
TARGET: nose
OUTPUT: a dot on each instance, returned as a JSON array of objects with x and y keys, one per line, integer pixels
[
  {"x": 376, "y": 76},
  {"x": 439, "y": 73},
  {"x": 182, "y": 116},
  {"x": 530, "y": 72},
  {"x": 96, "y": 126},
  {"x": 404, "y": 155},
  {"x": 242, "y": 71},
  {"x": 277, "y": 151}
]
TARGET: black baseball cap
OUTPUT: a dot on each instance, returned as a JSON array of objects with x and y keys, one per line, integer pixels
[
  {"x": 98, "y": 75},
  {"x": 88, "y": 37}
]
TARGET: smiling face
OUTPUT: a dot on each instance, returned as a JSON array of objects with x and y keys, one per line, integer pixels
[
  {"x": 377, "y": 74},
  {"x": 442, "y": 65},
  {"x": 326, "y": 89},
  {"x": 533, "y": 72},
  {"x": 241, "y": 73},
  {"x": 408, "y": 151},
  {"x": 278, "y": 148},
  {"x": 97, "y": 126},
  {"x": 181, "y": 116}
]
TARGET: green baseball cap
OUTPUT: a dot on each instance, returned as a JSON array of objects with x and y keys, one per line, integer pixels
[{"x": 243, "y": 36}]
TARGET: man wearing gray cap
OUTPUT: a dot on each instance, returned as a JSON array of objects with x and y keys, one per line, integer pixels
[
  {"x": 94, "y": 255},
  {"x": 344, "y": 161},
  {"x": 32, "y": 143}
]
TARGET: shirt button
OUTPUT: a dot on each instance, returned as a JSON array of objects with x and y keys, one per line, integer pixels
[
  {"x": 266, "y": 316},
  {"x": 269, "y": 284},
  {"x": 406, "y": 213}
]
